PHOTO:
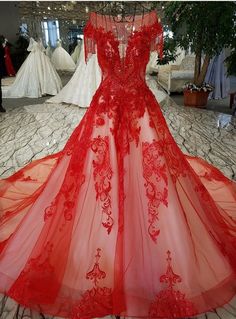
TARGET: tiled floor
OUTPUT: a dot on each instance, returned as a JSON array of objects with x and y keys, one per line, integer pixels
[{"x": 33, "y": 131}]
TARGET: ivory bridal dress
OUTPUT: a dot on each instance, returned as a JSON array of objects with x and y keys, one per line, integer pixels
[
  {"x": 61, "y": 59},
  {"x": 37, "y": 76},
  {"x": 120, "y": 221}
]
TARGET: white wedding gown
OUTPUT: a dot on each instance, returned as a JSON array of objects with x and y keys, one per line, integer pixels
[
  {"x": 76, "y": 53},
  {"x": 85, "y": 81},
  {"x": 62, "y": 60},
  {"x": 37, "y": 76},
  {"x": 83, "y": 84}
]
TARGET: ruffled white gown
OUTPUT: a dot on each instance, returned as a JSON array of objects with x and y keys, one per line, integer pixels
[
  {"x": 85, "y": 81},
  {"x": 37, "y": 76},
  {"x": 62, "y": 60}
]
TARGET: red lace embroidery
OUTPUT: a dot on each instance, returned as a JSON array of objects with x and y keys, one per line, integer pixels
[
  {"x": 169, "y": 301},
  {"x": 222, "y": 225},
  {"x": 95, "y": 31},
  {"x": 50, "y": 210},
  {"x": 30, "y": 283},
  {"x": 75, "y": 176},
  {"x": 96, "y": 301},
  {"x": 155, "y": 174},
  {"x": 102, "y": 177},
  {"x": 177, "y": 165},
  {"x": 20, "y": 176},
  {"x": 121, "y": 105},
  {"x": 122, "y": 89}
]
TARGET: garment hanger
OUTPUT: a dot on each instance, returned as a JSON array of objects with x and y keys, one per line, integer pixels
[{"x": 122, "y": 11}]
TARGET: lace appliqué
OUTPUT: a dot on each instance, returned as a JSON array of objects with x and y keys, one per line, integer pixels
[
  {"x": 155, "y": 175},
  {"x": 30, "y": 284},
  {"x": 177, "y": 167},
  {"x": 102, "y": 177},
  {"x": 21, "y": 177},
  {"x": 96, "y": 302},
  {"x": 171, "y": 302}
]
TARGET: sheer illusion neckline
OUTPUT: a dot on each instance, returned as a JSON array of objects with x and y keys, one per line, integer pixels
[{"x": 101, "y": 23}]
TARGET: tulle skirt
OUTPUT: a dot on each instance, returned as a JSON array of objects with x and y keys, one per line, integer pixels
[{"x": 119, "y": 222}]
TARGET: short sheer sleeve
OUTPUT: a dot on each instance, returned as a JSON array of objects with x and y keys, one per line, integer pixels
[
  {"x": 157, "y": 41},
  {"x": 89, "y": 41},
  {"x": 147, "y": 23}
]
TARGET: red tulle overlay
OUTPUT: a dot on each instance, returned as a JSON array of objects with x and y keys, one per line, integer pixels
[
  {"x": 9, "y": 66},
  {"x": 120, "y": 221}
]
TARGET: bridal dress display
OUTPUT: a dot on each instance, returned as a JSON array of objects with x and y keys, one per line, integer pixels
[
  {"x": 37, "y": 76},
  {"x": 76, "y": 53},
  {"x": 85, "y": 82},
  {"x": 62, "y": 60},
  {"x": 120, "y": 221}
]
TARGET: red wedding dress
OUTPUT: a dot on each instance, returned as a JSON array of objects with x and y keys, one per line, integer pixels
[
  {"x": 120, "y": 221},
  {"x": 9, "y": 66}
]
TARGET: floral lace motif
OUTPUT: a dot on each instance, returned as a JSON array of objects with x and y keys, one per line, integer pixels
[
  {"x": 171, "y": 302},
  {"x": 177, "y": 166},
  {"x": 155, "y": 175},
  {"x": 30, "y": 284},
  {"x": 96, "y": 301},
  {"x": 102, "y": 177},
  {"x": 20, "y": 176}
]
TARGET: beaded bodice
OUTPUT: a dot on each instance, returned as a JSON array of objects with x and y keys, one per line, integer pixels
[{"x": 123, "y": 48}]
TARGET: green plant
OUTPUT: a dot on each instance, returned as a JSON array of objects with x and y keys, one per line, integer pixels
[
  {"x": 169, "y": 51},
  {"x": 206, "y": 26}
]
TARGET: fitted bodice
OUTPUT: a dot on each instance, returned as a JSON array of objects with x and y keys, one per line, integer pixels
[{"x": 123, "y": 49}]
